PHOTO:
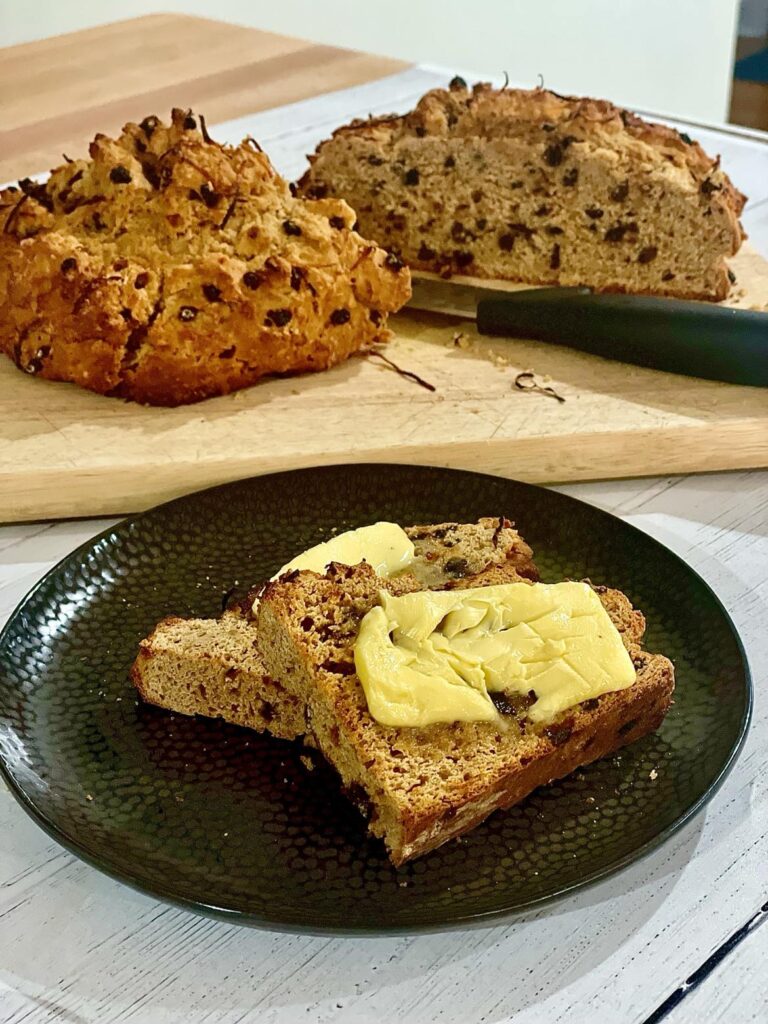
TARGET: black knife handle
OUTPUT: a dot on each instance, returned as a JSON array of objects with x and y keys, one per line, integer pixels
[{"x": 694, "y": 338}]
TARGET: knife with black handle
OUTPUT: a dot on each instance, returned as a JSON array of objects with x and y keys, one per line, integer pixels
[{"x": 699, "y": 339}]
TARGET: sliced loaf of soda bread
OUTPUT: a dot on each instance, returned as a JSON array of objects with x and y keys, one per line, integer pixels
[{"x": 531, "y": 186}]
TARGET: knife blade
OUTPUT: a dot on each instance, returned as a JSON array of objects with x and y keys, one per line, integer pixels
[{"x": 697, "y": 339}]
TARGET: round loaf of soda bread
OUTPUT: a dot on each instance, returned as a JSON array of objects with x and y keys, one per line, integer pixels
[{"x": 168, "y": 268}]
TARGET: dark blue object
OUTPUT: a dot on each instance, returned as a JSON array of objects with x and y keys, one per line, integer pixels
[{"x": 753, "y": 68}]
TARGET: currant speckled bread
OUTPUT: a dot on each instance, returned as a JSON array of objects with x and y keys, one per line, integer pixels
[
  {"x": 420, "y": 787},
  {"x": 212, "y": 667},
  {"x": 446, "y": 552},
  {"x": 535, "y": 187},
  {"x": 168, "y": 268}
]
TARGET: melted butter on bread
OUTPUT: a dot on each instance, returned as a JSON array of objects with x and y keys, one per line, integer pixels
[
  {"x": 386, "y": 547},
  {"x": 436, "y": 656}
]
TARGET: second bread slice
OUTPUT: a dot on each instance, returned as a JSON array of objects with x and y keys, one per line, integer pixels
[{"x": 420, "y": 787}]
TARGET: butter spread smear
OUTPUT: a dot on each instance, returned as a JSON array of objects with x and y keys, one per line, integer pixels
[{"x": 386, "y": 547}]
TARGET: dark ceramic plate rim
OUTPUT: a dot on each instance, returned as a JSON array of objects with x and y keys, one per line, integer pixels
[{"x": 487, "y": 918}]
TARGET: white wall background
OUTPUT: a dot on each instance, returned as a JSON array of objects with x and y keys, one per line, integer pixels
[{"x": 667, "y": 56}]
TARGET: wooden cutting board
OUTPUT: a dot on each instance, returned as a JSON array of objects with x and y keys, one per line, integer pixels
[{"x": 66, "y": 452}]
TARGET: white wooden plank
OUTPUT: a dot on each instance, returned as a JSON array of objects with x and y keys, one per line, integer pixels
[
  {"x": 755, "y": 221},
  {"x": 737, "y": 988},
  {"x": 28, "y": 550},
  {"x": 290, "y": 132}
]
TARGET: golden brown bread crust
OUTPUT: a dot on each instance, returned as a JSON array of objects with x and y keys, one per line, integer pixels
[
  {"x": 168, "y": 268},
  {"x": 533, "y": 186},
  {"x": 491, "y": 113},
  {"x": 423, "y": 786}
]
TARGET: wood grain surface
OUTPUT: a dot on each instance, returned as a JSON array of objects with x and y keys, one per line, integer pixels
[
  {"x": 67, "y": 452},
  {"x": 55, "y": 94}
]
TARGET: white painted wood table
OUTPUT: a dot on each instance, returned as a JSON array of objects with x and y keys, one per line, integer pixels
[{"x": 677, "y": 937}]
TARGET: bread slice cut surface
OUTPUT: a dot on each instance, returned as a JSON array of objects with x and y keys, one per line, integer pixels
[
  {"x": 531, "y": 186},
  {"x": 213, "y": 667}
]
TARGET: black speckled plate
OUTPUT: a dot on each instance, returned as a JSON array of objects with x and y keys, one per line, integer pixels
[{"x": 226, "y": 821}]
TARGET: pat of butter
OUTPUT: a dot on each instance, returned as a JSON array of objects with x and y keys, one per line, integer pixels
[
  {"x": 433, "y": 656},
  {"x": 386, "y": 547}
]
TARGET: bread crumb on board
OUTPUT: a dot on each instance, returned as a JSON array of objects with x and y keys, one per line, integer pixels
[
  {"x": 502, "y": 361},
  {"x": 460, "y": 340}
]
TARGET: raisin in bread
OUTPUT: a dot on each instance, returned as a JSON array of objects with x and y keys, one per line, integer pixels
[
  {"x": 213, "y": 667},
  {"x": 168, "y": 268},
  {"x": 420, "y": 787},
  {"x": 535, "y": 187}
]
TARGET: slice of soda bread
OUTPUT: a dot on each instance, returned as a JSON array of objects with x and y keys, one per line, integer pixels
[
  {"x": 211, "y": 667},
  {"x": 420, "y": 787}
]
